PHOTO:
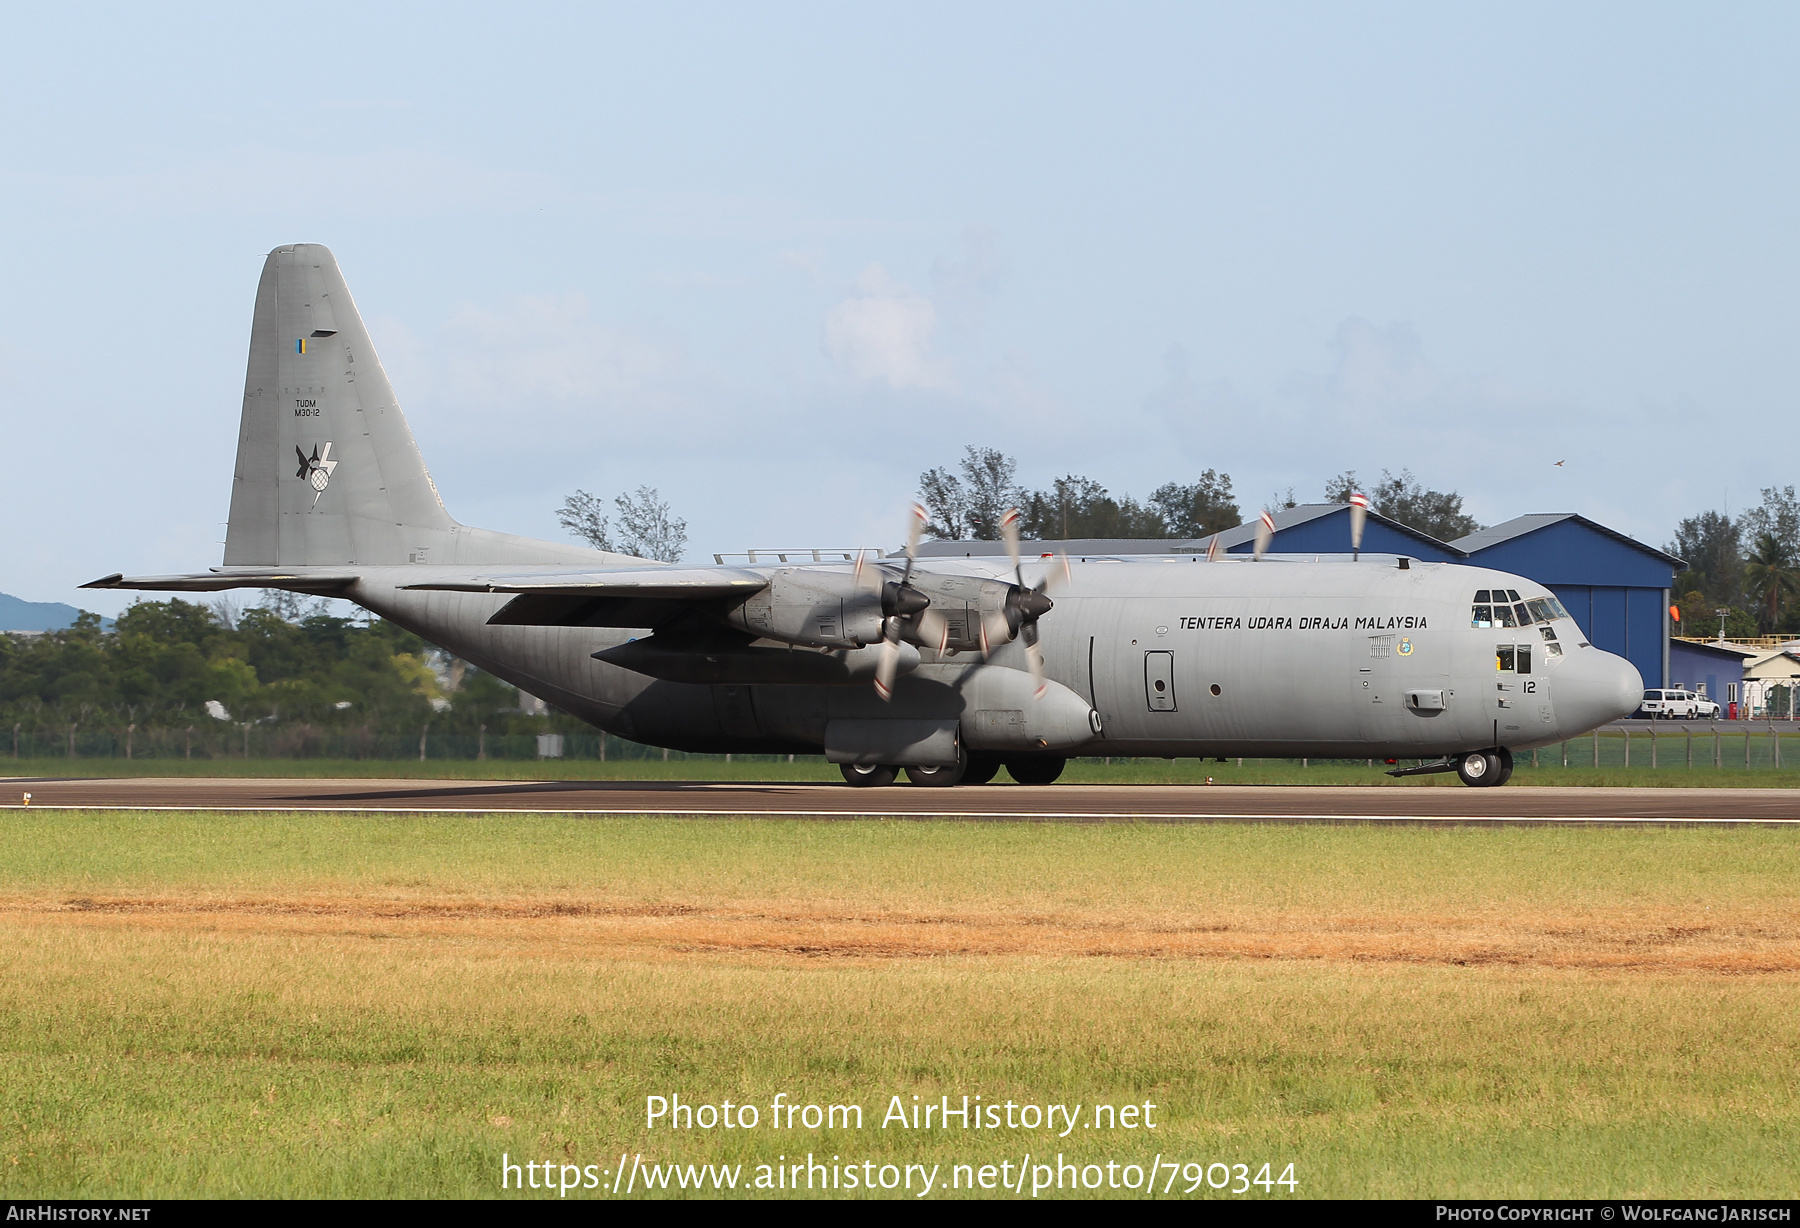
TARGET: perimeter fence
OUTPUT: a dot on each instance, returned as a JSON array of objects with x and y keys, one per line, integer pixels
[
  {"x": 220, "y": 741},
  {"x": 1737, "y": 745}
]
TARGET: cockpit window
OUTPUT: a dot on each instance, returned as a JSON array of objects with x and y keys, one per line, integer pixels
[
  {"x": 1503, "y": 657},
  {"x": 1487, "y": 610}
]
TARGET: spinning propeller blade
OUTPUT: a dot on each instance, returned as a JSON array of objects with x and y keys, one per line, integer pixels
[
  {"x": 889, "y": 663},
  {"x": 1359, "y": 514},
  {"x": 900, "y": 601},
  {"x": 1265, "y": 533}
]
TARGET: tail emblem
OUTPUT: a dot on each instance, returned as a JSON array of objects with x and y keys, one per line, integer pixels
[{"x": 316, "y": 469}]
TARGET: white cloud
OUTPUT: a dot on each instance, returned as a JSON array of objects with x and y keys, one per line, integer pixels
[{"x": 883, "y": 332}]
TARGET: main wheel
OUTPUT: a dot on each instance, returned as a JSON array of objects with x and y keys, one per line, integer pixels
[
  {"x": 939, "y": 777},
  {"x": 1506, "y": 766},
  {"x": 1038, "y": 770},
  {"x": 1479, "y": 768},
  {"x": 864, "y": 776},
  {"x": 980, "y": 770}
]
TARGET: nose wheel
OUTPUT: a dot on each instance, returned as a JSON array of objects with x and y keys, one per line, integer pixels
[{"x": 1485, "y": 768}]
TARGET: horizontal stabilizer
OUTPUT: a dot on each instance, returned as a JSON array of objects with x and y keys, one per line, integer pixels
[{"x": 299, "y": 580}]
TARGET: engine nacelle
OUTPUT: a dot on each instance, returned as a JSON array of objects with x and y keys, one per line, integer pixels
[
  {"x": 816, "y": 607},
  {"x": 1002, "y": 713}
]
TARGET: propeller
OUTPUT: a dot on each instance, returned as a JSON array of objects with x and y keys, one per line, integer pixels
[
  {"x": 1265, "y": 533},
  {"x": 1212, "y": 549},
  {"x": 900, "y": 601},
  {"x": 1023, "y": 606},
  {"x": 1359, "y": 515}
]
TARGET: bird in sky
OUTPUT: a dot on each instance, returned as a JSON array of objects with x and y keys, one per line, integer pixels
[{"x": 1558, "y": 465}]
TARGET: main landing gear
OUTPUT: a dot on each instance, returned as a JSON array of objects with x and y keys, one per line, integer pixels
[{"x": 972, "y": 770}]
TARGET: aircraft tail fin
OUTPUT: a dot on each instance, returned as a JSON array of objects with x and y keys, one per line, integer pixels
[{"x": 328, "y": 473}]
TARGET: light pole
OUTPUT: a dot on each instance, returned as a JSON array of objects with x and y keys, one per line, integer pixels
[{"x": 1722, "y": 614}]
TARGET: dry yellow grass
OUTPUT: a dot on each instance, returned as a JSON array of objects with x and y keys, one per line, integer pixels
[{"x": 1633, "y": 937}]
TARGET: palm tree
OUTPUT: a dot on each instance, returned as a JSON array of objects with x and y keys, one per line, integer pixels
[{"x": 1769, "y": 574}]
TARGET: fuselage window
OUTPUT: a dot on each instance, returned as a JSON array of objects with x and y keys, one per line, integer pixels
[
  {"x": 1524, "y": 662},
  {"x": 1503, "y": 657}
]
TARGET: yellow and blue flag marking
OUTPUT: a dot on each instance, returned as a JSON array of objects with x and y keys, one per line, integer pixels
[{"x": 300, "y": 346}]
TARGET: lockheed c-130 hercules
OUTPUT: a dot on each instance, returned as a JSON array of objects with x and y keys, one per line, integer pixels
[{"x": 946, "y": 671}]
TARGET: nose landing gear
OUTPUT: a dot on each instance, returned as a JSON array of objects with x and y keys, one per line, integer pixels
[{"x": 1485, "y": 768}]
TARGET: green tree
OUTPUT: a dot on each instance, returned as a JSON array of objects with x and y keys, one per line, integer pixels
[
  {"x": 1199, "y": 508},
  {"x": 1770, "y": 575},
  {"x": 1405, "y": 499},
  {"x": 967, "y": 505},
  {"x": 1078, "y": 507},
  {"x": 1711, "y": 545}
]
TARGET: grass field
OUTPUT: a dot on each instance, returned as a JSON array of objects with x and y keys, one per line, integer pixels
[
  {"x": 326, "y": 1004},
  {"x": 814, "y": 768}
]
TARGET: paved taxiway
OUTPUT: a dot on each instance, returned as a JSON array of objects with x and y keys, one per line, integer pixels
[{"x": 1063, "y": 802}]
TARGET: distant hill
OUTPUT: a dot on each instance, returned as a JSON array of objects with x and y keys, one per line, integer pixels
[{"x": 17, "y": 615}]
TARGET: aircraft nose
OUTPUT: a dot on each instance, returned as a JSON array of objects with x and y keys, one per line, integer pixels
[{"x": 1594, "y": 687}]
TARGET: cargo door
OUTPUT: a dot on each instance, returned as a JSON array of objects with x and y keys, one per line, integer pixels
[{"x": 1521, "y": 691}]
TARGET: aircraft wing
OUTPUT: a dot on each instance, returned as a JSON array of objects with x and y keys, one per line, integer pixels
[
  {"x": 619, "y": 581},
  {"x": 323, "y": 582},
  {"x": 614, "y": 597}
]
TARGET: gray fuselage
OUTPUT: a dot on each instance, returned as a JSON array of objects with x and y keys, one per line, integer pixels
[{"x": 1281, "y": 657}]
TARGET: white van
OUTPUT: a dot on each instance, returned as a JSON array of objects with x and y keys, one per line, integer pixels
[{"x": 1670, "y": 705}]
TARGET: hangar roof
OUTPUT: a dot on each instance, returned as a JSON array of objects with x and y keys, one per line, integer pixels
[
  {"x": 1299, "y": 529},
  {"x": 1520, "y": 526}
]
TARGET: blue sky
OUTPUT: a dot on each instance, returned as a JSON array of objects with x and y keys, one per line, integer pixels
[{"x": 775, "y": 260}]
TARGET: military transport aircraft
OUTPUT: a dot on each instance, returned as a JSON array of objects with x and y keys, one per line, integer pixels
[{"x": 946, "y": 671}]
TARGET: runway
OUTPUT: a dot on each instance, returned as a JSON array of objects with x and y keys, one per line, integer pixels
[{"x": 1057, "y": 803}]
